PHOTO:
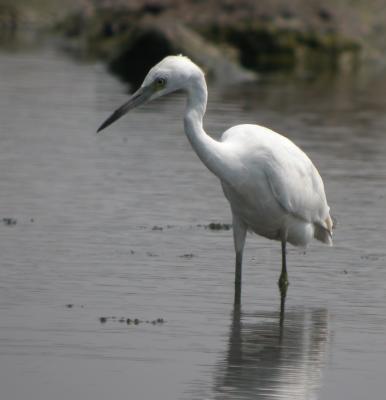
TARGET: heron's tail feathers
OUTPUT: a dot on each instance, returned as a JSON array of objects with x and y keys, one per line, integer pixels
[{"x": 323, "y": 231}]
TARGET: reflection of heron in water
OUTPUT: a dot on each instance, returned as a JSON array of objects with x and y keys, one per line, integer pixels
[{"x": 268, "y": 358}]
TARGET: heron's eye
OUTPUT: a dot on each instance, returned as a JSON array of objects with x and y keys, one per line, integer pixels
[{"x": 160, "y": 83}]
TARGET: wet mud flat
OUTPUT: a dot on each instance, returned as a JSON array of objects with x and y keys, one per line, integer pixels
[{"x": 121, "y": 230}]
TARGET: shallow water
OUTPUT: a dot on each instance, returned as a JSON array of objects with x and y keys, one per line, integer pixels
[{"x": 113, "y": 226}]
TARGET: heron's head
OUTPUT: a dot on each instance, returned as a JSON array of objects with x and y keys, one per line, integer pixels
[{"x": 171, "y": 74}]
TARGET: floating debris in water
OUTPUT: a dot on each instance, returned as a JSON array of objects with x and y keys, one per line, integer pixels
[
  {"x": 132, "y": 321},
  {"x": 9, "y": 221},
  {"x": 370, "y": 257},
  {"x": 217, "y": 226},
  {"x": 70, "y": 305},
  {"x": 188, "y": 255}
]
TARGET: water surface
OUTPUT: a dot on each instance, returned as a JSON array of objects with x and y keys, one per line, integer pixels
[{"x": 112, "y": 226}]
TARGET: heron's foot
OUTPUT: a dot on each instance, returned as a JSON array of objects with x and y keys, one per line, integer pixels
[{"x": 283, "y": 284}]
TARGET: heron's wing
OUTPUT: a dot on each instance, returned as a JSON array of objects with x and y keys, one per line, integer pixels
[
  {"x": 291, "y": 178},
  {"x": 296, "y": 185}
]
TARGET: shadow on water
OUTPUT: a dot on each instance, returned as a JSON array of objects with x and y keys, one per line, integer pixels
[{"x": 273, "y": 355}]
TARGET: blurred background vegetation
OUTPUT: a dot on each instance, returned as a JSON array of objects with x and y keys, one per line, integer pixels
[{"x": 232, "y": 40}]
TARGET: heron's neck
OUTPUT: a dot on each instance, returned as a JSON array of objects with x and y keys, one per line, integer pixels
[{"x": 210, "y": 151}]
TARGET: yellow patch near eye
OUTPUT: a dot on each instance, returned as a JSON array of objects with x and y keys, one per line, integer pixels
[{"x": 159, "y": 83}]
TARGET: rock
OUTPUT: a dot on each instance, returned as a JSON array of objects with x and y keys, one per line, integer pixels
[
  {"x": 271, "y": 46},
  {"x": 9, "y": 19},
  {"x": 155, "y": 38}
]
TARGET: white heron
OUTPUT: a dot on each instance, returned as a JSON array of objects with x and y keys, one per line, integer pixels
[{"x": 272, "y": 186}]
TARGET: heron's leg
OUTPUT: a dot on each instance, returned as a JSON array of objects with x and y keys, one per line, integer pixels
[
  {"x": 239, "y": 233},
  {"x": 239, "y": 260},
  {"x": 283, "y": 280}
]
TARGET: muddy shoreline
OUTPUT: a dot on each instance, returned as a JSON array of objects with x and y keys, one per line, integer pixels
[{"x": 232, "y": 43}]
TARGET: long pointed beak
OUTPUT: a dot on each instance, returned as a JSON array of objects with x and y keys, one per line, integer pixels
[{"x": 139, "y": 97}]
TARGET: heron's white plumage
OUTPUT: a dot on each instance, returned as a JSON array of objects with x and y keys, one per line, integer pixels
[{"x": 272, "y": 186}]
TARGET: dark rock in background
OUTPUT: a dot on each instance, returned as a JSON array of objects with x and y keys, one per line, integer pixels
[{"x": 232, "y": 41}]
